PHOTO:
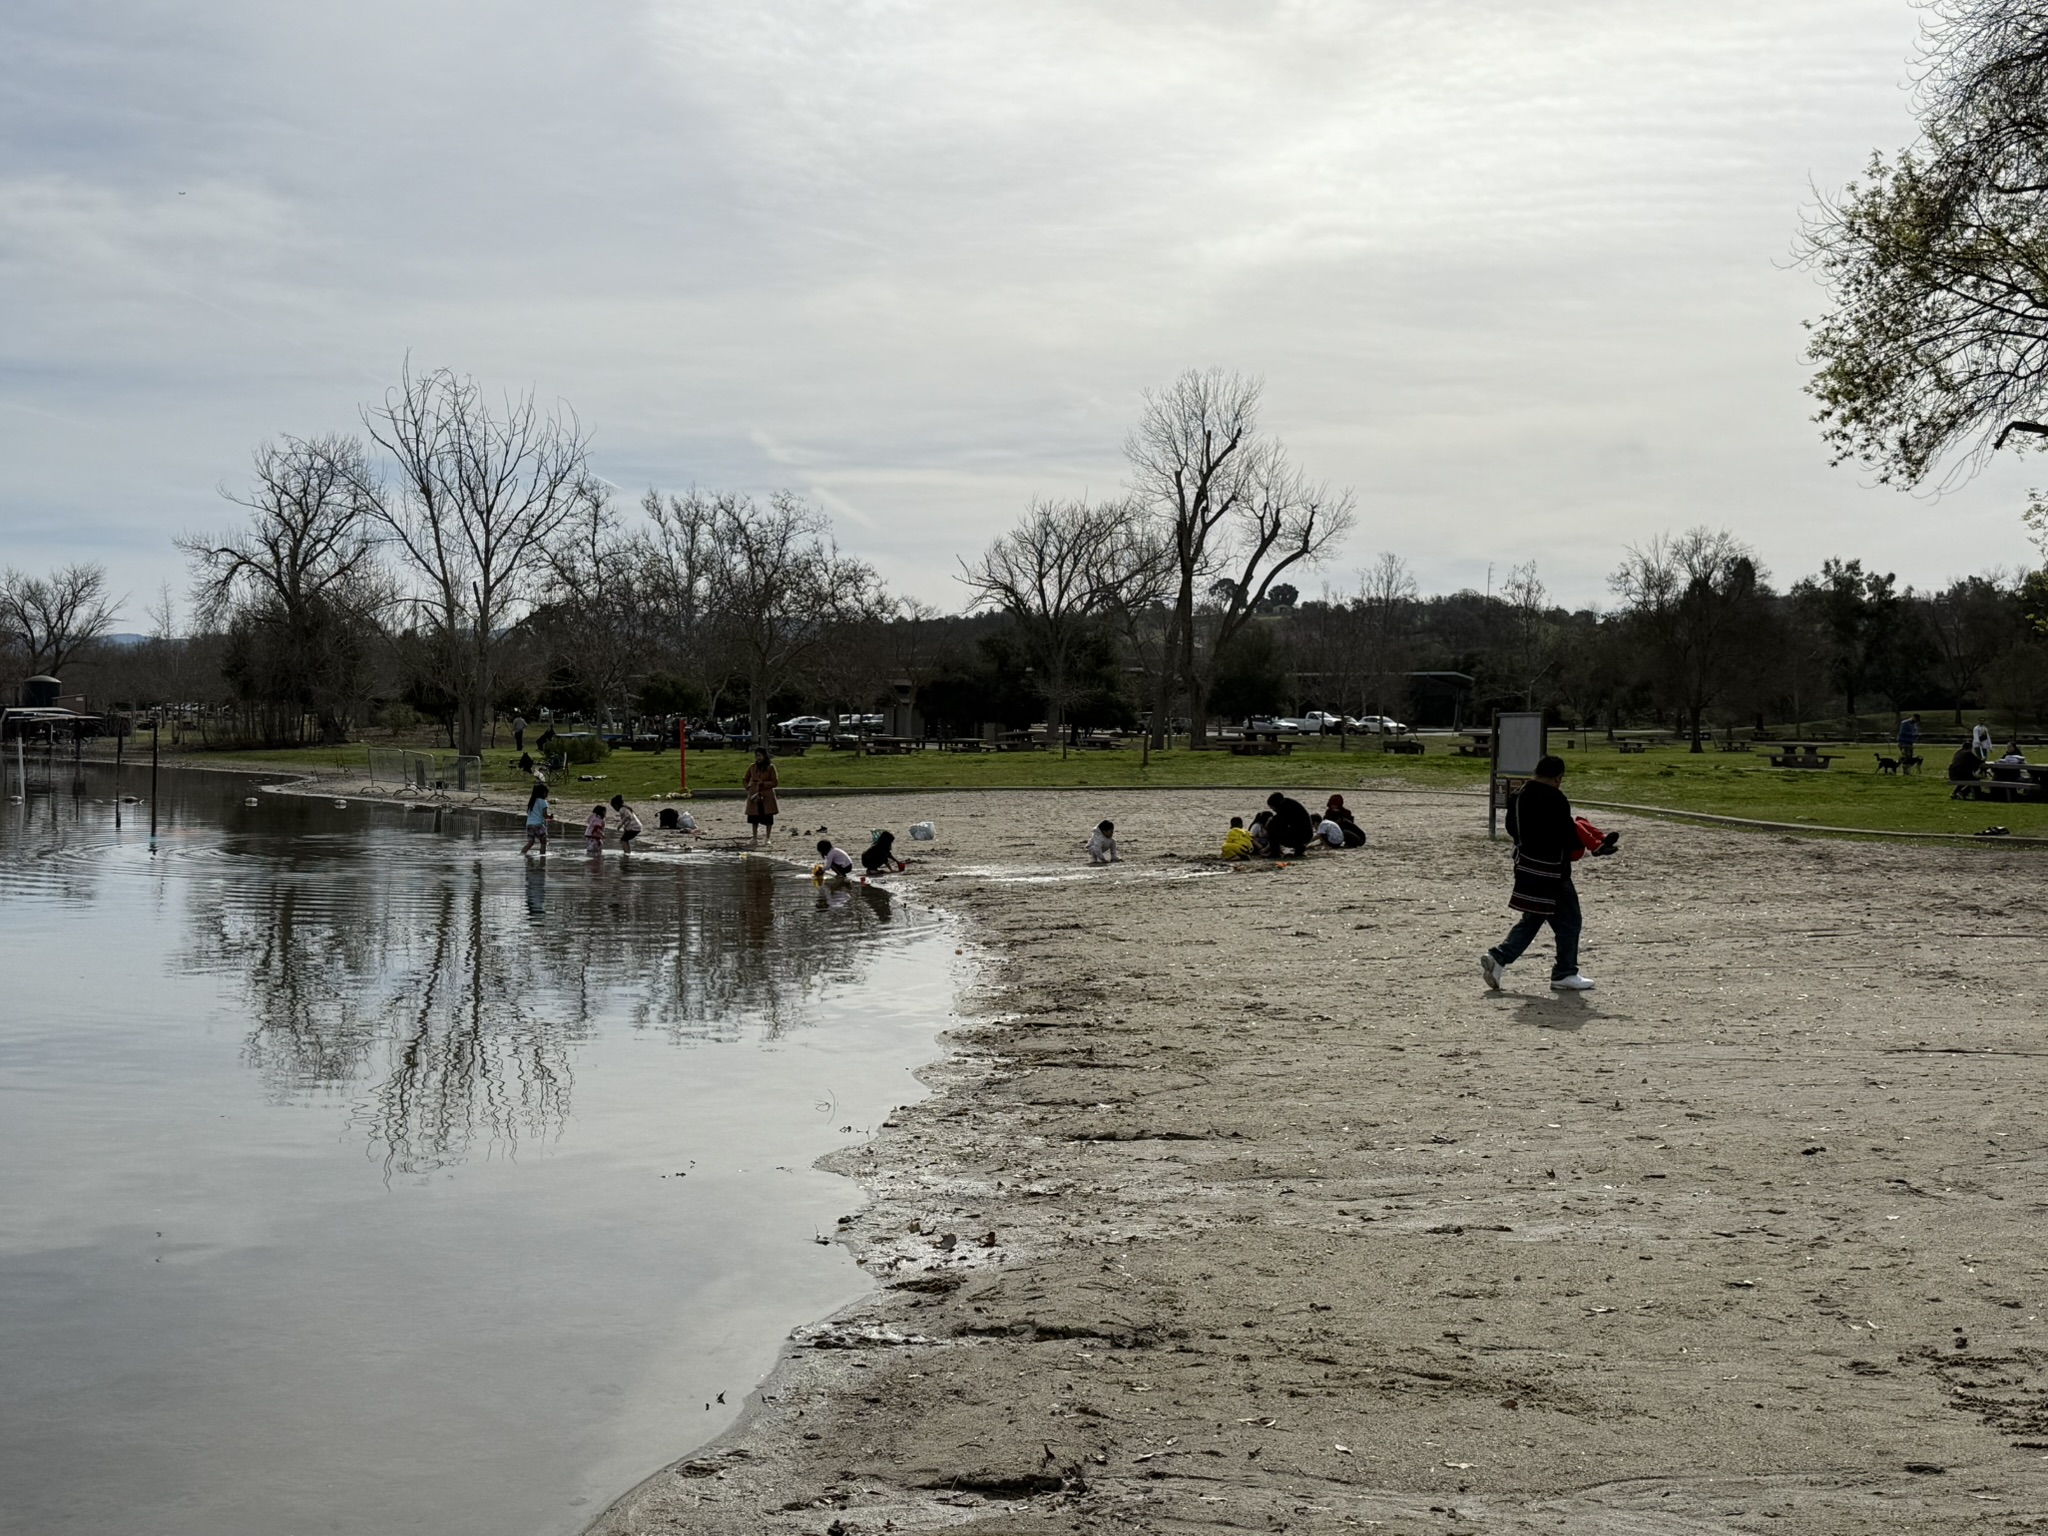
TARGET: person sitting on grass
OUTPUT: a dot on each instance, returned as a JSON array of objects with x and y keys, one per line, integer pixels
[
  {"x": 1291, "y": 826},
  {"x": 833, "y": 863},
  {"x": 1102, "y": 844},
  {"x": 1237, "y": 843},
  {"x": 1354, "y": 834},
  {"x": 881, "y": 854}
]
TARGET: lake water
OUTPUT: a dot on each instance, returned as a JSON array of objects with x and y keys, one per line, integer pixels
[{"x": 362, "y": 1177}]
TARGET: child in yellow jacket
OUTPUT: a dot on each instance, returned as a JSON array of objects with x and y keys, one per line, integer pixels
[{"x": 1237, "y": 843}]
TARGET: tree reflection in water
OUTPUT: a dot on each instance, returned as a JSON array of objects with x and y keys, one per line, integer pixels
[{"x": 442, "y": 994}]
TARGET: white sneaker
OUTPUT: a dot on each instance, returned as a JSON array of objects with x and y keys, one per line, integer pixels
[
  {"x": 1491, "y": 969},
  {"x": 1572, "y": 983}
]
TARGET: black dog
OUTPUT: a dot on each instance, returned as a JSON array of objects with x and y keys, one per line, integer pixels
[
  {"x": 1909, "y": 764},
  {"x": 1887, "y": 764}
]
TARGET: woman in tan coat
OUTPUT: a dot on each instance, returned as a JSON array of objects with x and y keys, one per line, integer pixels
[{"x": 760, "y": 783}]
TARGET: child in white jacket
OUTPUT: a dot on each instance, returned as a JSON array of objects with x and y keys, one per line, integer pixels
[{"x": 1102, "y": 844}]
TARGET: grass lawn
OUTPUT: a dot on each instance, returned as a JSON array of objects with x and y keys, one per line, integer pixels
[{"x": 1850, "y": 794}]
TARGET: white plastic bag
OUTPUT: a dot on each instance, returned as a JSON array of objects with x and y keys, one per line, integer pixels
[
  {"x": 923, "y": 831},
  {"x": 686, "y": 821}
]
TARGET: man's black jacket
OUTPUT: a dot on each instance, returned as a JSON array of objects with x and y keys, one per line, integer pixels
[{"x": 1540, "y": 822}]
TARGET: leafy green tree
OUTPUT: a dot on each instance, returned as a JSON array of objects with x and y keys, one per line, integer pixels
[
  {"x": 1937, "y": 260},
  {"x": 1858, "y": 611}
]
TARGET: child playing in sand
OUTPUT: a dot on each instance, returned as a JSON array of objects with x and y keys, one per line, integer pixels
[
  {"x": 881, "y": 854},
  {"x": 1102, "y": 844},
  {"x": 1237, "y": 843},
  {"x": 833, "y": 862},
  {"x": 629, "y": 823},
  {"x": 593, "y": 831},
  {"x": 1262, "y": 834}
]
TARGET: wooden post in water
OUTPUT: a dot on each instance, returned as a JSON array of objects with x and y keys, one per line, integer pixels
[
  {"x": 682, "y": 756},
  {"x": 152, "y": 777}
]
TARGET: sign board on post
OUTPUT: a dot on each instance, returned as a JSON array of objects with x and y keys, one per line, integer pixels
[{"x": 1519, "y": 743}]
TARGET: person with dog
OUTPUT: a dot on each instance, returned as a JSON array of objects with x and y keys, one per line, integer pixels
[
  {"x": 1909, "y": 736},
  {"x": 1547, "y": 839}
]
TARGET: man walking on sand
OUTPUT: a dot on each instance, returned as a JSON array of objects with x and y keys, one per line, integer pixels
[{"x": 1540, "y": 821}]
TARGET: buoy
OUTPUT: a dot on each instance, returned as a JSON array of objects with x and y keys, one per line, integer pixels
[
  {"x": 252, "y": 800},
  {"x": 341, "y": 804}
]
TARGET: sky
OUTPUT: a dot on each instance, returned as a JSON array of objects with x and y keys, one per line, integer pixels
[{"x": 1520, "y": 272}]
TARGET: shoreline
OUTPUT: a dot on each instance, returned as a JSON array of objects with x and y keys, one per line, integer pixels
[
  {"x": 1249, "y": 1259},
  {"x": 1363, "y": 788}
]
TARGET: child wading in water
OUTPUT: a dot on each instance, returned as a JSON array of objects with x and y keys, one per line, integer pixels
[
  {"x": 629, "y": 823},
  {"x": 1102, "y": 844},
  {"x": 537, "y": 820},
  {"x": 593, "y": 831}
]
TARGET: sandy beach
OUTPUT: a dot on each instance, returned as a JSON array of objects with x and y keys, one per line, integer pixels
[{"x": 1243, "y": 1205}]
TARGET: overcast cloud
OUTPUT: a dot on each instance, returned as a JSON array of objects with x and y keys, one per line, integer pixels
[{"x": 1517, "y": 271}]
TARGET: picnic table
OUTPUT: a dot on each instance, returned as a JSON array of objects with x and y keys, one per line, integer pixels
[
  {"x": 1401, "y": 744},
  {"x": 891, "y": 746},
  {"x": 2009, "y": 782},
  {"x": 1261, "y": 744},
  {"x": 1631, "y": 746},
  {"x": 963, "y": 744},
  {"x": 1801, "y": 757},
  {"x": 1478, "y": 744}
]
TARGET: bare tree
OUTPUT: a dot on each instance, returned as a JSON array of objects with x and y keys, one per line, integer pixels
[
  {"x": 593, "y": 605},
  {"x": 675, "y": 557},
  {"x": 1528, "y": 652},
  {"x": 1190, "y": 460},
  {"x": 1387, "y": 592},
  {"x": 299, "y": 587},
  {"x": 1048, "y": 575},
  {"x": 1696, "y": 600},
  {"x": 51, "y": 618},
  {"x": 478, "y": 498},
  {"x": 780, "y": 586},
  {"x": 1283, "y": 520},
  {"x": 1234, "y": 511}
]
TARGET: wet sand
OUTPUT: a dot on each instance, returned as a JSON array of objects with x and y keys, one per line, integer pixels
[{"x": 1243, "y": 1204}]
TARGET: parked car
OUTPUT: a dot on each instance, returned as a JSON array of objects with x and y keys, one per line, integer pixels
[
  {"x": 1381, "y": 725},
  {"x": 1322, "y": 720},
  {"x": 803, "y": 725},
  {"x": 703, "y": 736}
]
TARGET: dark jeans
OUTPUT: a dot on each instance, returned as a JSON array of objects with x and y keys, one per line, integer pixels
[{"x": 1565, "y": 924}]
